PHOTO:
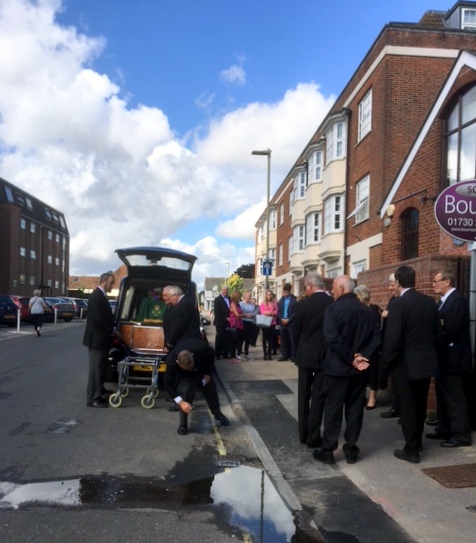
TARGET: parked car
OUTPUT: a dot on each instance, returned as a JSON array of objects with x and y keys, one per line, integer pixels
[
  {"x": 25, "y": 308},
  {"x": 65, "y": 310},
  {"x": 81, "y": 304},
  {"x": 9, "y": 306},
  {"x": 70, "y": 300}
]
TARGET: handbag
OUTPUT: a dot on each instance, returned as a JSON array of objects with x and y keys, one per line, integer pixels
[{"x": 264, "y": 321}]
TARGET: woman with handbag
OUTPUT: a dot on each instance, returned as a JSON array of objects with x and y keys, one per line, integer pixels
[
  {"x": 270, "y": 308},
  {"x": 235, "y": 330},
  {"x": 37, "y": 308}
]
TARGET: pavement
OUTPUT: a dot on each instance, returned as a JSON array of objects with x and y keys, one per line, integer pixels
[{"x": 391, "y": 499}]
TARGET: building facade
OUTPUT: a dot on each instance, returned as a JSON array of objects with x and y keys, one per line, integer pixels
[
  {"x": 34, "y": 244},
  {"x": 360, "y": 198}
]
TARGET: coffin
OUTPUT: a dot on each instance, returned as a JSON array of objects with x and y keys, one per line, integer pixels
[{"x": 143, "y": 339}]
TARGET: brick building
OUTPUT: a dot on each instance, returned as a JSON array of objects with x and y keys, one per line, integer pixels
[
  {"x": 360, "y": 197},
  {"x": 34, "y": 244}
]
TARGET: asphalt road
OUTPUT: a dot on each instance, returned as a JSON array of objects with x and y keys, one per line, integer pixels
[{"x": 78, "y": 474}]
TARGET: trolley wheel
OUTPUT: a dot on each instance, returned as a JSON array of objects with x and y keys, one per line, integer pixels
[
  {"x": 115, "y": 400},
  {"x": 147, "y": 401},
  {"x": 124, "y": 391},
  {"x": 154, "y": 391}
]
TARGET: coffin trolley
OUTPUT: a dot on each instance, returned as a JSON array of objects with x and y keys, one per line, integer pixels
[{"x": 143, "y": 361}]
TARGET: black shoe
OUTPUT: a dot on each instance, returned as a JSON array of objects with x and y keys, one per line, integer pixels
[
  {"x": 169, "y": 400},
  {"x": 432, "y": 422},
  {"x": 392, "y": 413},
  {"x": 38, "y": 332},
  {"x": 452, "y": 443},
  {"x": 182, "y": 430},
  {"x": 221, "y": 420},
  {"x": 174, "y": 408},
  {"x": 351, "y": 454},
  {"x": 437, "y": 435},
  {"x": 98, "y": 403},
  {"x": 282, "y": 359},
  {"x": 403, "y": 455},
  {"x": 327, "y": 457},
  {"x": 265, "y": 357}
]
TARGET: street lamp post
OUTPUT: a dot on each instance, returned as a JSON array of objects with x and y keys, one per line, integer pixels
[{"x": 267, "y": 153}]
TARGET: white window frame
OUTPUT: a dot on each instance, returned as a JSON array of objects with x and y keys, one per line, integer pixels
[
  {"x": 32, "y": 227},
  {"x": 280, "y": 255},
  {"x": 23, "y": 224},
  {"x": 362, "y": 196},
  {"x": 272, "y": 219},
  {"x": 336, "y": 139},
  {"x": 318, "y": 165},
  {"x": 365, "y": 115},
  {"x": 333, "y": 213},
  {"x": 33, "y": 254},
  {"x": 334, "y": 272},
  {"x": 32, "y": 280},
  {"x": 272, "y": 255},
  {"x": 467, "y": 24},
  {"x": 313, "y": 228},
  {"x": 281, "y": 214},
  {"x": 298, "y": 238},
  {"x": 299, "y": 186},
  {"x": 358, "y": 267},
  {"x": 290, "y": 246},
  {"x": 22, "y": 251}
]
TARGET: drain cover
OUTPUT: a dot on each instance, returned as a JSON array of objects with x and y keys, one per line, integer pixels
[{"x": 454, "y": 476}]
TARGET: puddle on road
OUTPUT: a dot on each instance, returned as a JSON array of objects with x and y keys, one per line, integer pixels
[{"x": 242, "y": 497}]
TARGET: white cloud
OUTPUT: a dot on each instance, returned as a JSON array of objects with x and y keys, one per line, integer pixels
[
  {"x": 118, "y": 172},
  {"x": 234, "y": 75}
]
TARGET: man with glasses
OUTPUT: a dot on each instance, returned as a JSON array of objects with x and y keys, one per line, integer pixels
[{"x": 454, "y": 358}]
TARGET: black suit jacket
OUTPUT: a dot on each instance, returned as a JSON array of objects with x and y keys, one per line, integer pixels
[
  {"x": 454, "y": 345},
  {"x": 411, "y": 335},
  {"x": 221, "y": 312},
  {"x": 308, "y": 334},
  {"x": 100, "y": 321},
  {"x": 184, "y": 323}
]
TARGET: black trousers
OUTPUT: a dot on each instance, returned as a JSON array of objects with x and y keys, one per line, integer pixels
[
  {"x": 248, "y": 336},
  {"x": 268, "y": 340},
  {"x": 287, "y": 342},
  {"x": 310, "y": 405},
  {"x": 412, "y": 399},
  {"x": 222, "y": 348},
  {"x": 343, "y": 394},
  {"x": 451, "y": 405},
  {"x": 187, "y": 387},
  {"x": 97, "y": 373}
]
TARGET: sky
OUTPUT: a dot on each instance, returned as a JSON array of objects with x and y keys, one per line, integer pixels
[{"x": 137, "y": 118}]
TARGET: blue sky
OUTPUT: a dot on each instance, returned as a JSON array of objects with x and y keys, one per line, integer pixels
[{"x": 137, "y": 118}]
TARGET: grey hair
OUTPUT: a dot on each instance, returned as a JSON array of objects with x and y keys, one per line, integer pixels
[
  {"x": 362, "y": 292},
  {"x": 174, "y": 290},
  {"x": 36, "y": 292},
  {"x": 391, "y": 277},
  {"x": 314, "y": 279}
]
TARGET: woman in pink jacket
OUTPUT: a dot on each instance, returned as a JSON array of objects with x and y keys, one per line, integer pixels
[{"x": 269, "y": 307}]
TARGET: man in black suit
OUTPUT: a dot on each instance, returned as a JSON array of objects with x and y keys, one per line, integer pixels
[
  {"x": 455, "y": 362},
  {"x": 352, "y": 338},
  {"x": 97, "y": 337},
  {"x": 409, "y": 352},
  {"x": 310, "y": 348},
  {"x": 221, "y": 311},
  {"x": 190, "y": 366},
  {"x": 184, "y": 320},
  {"x": 286, "y": 312}
]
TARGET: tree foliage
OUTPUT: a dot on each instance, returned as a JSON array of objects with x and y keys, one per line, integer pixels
[
  {"x": 234, "y": 283},
  {"x": 246, "y": 271}
]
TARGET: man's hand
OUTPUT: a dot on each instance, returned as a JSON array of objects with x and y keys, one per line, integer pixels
[
  {"x": 206, "y": 380},
  {"x": 284, "y": 322},
  {"x": 360, "y": 362},
  {"x": 185, "y": 406}
]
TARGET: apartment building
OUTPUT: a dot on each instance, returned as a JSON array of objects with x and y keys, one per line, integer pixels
[
  {"x": 360, "y": 197},
  {"x": 34, "y": 244}
]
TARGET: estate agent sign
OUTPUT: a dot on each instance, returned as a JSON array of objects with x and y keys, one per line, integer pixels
[{"x": 455, "y": 210}]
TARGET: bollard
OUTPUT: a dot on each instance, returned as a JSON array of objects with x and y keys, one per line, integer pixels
[
  {"x": 56, "y": 315},
  {"x": 18, "y": 320},
  {"x": 81, "y": 314}
]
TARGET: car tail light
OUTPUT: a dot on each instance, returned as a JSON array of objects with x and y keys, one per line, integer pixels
[{"x": 17, "y": 303}]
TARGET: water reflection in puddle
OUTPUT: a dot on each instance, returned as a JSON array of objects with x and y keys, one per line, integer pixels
[{"x": 252, "y": 503}]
